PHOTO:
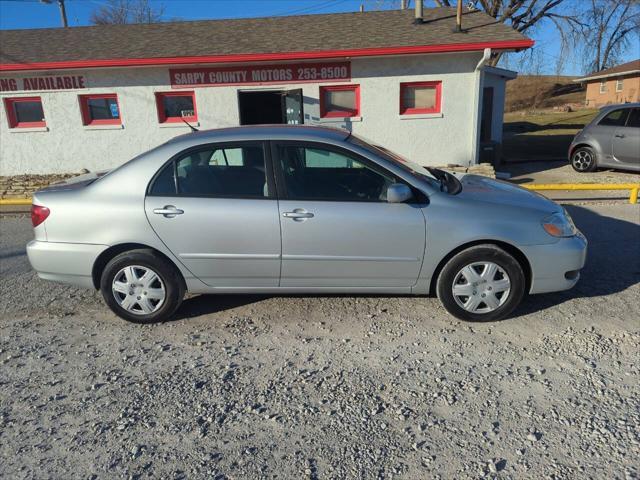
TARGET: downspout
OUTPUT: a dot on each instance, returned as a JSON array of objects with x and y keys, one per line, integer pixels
[{"x": 477, "y": 111}]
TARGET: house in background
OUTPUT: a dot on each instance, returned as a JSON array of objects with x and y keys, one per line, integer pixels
[{"x": 619, "y": 84}]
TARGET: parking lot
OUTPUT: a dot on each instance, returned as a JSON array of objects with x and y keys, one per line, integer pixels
[{"x": 326, "y": 387}]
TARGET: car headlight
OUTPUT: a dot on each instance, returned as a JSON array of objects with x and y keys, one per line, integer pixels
[{"x": 559, "y": 224}]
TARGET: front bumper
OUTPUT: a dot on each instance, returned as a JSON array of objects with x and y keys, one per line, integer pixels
[
  {"x": 556, "y": 266},
  {"x": 70, "y": 263}
]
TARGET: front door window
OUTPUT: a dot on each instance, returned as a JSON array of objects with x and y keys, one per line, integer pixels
[
  {"x": 616, "y": 118},
  {"x": 312, "y": 173}
]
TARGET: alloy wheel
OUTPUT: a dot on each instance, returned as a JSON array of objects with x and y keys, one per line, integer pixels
[
  {"x": 138, "y": 289},
  {"x": 582, "y": 160},
  {"x": 481, "y": 287}
]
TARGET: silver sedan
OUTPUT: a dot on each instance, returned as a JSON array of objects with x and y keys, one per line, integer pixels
[{"x": 284, "y": 209}]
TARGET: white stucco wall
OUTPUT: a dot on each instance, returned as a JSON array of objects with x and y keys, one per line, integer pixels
[{"x": 68, "y": 146}]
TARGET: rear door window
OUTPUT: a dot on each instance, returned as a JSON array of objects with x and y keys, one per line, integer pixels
[
  {"x": 616, "y": 118},
  {"x": 236, "y": 171},
  {"x": 634, "y": 118}
]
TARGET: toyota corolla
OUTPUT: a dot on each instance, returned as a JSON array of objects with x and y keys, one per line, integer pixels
[{"x": 297, "y": 209}]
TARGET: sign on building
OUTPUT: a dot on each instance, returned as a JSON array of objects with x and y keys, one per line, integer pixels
[
  {"x": 56, "y": 82},
  {"x": 260, "y": 74}
]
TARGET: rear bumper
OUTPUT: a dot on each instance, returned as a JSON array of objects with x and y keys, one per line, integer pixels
[
  {"x": 557, "y": 266},
  {"x": 70, "y": 263}
]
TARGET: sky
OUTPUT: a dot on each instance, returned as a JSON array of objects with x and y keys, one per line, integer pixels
[{"x": 37, "y": 14}]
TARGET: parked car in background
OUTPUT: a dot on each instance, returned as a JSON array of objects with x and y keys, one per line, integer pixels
[
  {"x": 611, "y": 140},
  {"x": 297, "y": 209}
]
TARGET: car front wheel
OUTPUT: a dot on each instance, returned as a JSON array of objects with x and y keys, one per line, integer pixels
[
  {"x": 481, "y": 283},
  {"x": 141, "y": 287},
  {"x": 583, "y": 160}
]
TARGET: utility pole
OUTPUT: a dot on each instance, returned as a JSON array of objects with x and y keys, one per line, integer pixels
[
  {"x": 419, "y": 13},
  {"x": 459, "y": 17},
  {"x": 403, "y": 4},
  {"x": 63, "y": 10},
  {"x": 63, "y": 13}
]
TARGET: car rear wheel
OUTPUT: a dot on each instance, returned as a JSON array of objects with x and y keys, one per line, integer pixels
[
  {"x": 141, "y": 287},
  {"x": 481, "y": 283},
  {"x": 583, "y": 160}
]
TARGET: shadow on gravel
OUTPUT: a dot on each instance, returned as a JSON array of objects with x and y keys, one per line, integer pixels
[
  {"x": 13, "y": 253},
  {"x": 613, "y": 265},
  {"x": 613, "y": 261},
  {"x": 206, "y": 304}
]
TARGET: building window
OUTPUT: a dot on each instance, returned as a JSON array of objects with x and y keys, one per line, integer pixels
[
  {"x": 176, "y": 106},
  {"x": 100, "y": 109},
  {"x": 603, "y": 86},
  {"x": 619, "y": 85},
  {"x": 420, "y": 97},
  {"x": 24, "y": 112},
  {"x": 340, "y": 101}
]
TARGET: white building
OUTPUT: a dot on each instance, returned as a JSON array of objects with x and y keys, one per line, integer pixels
[{"x": 94, "y": 97}]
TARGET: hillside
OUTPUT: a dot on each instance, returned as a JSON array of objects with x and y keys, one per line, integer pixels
[{"x": 542, "y": 91}]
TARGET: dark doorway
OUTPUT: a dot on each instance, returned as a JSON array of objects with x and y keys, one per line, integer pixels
[
  {"x": 271, "y": 107},
  {"x": 487, "y": 115}
]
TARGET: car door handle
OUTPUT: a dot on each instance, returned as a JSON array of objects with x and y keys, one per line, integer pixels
[
  {"x": 619, "y": 135},
  {"x": 169, "y": 211},
  {"x": 297, "y": 214}
]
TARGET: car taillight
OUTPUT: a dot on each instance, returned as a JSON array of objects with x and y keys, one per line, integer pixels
[{"x": 39, "y": 214}]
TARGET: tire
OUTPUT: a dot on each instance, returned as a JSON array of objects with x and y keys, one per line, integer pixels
[
  {"x": 489, "y": 285},
  {"x": 134, "y": 294},
  {"x": 583, "y": 160}
]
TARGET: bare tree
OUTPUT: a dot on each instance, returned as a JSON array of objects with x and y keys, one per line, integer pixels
[
  {"x": 126, "y": 11},
  {"x": 525, "y": 16},
  {"x": 613, "y": 24},
  {"x": 521, "y": 15}
]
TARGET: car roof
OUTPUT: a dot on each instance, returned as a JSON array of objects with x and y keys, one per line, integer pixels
[
  {"x": 264, "y": 132},
  {"x": 620, "y": 105}
]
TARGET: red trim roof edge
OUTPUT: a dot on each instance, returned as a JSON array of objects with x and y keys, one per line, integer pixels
[{"x": 262, "y": 57}]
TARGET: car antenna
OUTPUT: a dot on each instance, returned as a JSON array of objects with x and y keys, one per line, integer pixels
[{"x": 193, "y": 129}]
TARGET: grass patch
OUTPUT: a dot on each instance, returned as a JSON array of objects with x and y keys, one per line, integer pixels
[{"x": 542, "y": 135}]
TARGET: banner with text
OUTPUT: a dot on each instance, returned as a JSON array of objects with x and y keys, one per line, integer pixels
[
  {"x": 57, "y": 82},
  {"x": 261, "y": 74}
]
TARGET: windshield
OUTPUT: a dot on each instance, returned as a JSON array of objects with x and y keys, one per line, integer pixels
[{"x": 393, "y": 157}]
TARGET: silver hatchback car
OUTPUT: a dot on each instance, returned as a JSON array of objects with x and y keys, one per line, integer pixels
[
  {"x": 610, "y": 140},
  {"x": 297, "y": 209}
]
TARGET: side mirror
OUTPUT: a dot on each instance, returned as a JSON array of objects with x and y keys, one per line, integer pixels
[{"x": 398, "y": 193}]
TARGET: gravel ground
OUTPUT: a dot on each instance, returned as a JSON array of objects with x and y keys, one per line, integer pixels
[
  {"x": 325, "y": 387},
  {"x": 562, "y": 172}
]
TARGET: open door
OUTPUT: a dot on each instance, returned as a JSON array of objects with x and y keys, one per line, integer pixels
[
  {"x": 292, "y": 110},
  {"x": 486, "y": 122}
]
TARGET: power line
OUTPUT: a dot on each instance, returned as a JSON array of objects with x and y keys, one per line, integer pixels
[{"x": 329, "y": 3}]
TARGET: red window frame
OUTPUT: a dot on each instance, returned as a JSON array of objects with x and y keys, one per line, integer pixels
[
  {"x": 162, "y": 118},
  {"x": 9, "y": 104},
  {"x": 339, "y": 113},
  {"x": 437, "y": 108},
  {"x": 84, "y": 110}
]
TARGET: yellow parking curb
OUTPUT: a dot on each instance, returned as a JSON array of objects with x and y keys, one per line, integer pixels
[{"x": 15, "y": 201}]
